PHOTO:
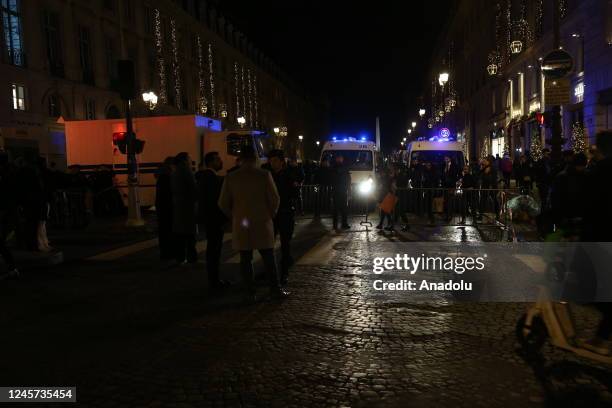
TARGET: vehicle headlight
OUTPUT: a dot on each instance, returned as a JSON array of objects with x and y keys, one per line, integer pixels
[{"x": 366, "y": 186}]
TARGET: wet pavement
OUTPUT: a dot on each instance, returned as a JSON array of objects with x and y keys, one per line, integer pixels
[{"x": 130, "y": 332}]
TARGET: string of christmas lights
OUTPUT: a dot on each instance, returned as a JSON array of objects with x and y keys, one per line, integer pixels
[
  {"x": 508, "y": 52},
  {"x": 250, "y": 89},
  {"x": 161, "y": 66},
  {"x": 579, "y": 144},
  {"x": 176, "y": 68},
  {"x": 562, "y": 8},
  {"x": 536, "y": 147},
  {"x": 211, "y": 79},
  {"x": 236, "y": 89},
  {"x": 539, "y": 18},
  {"x": 202, "y": 101},
  {"x": 256, "y": 104},
  {"x": 243, "y": 94}
]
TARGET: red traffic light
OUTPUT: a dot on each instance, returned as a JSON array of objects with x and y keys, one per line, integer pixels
[{"x": 119, "y": 137}]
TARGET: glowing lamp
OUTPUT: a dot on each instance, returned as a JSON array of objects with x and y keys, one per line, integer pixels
[
  {"x": 241, "y": 121},
  {"x": 150, "y": 99},
  {"x": 492, "y": 69},
  {"x": 276, "y": 130},
  {"x": 443, "y": 78},
  {"x": 516, "y": 47},
  {"x": 422, "y": 112},
  {"x": 301, "y": 137}
]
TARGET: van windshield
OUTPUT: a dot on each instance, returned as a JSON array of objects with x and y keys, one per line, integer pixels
[
  {"x": 353, "y": 159},
  {"x": 436, "y": 157},
  {"x": 235, "y": 142}
]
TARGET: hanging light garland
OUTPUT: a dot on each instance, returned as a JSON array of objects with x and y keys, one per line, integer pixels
[
  {"x": 508, "y": 29},
  {"x": 562, "y": 8},
  {"x": 578, "y": 140},
  {"x": 202, "y": 101},
  {"x": 176, "y": 68},
  {"x": 535, "y": 149},
  {"x": 236, "y": 83},
  {"x": 161, "y": 67},
  {"x": 256, "y": 104},
  {"x": 212, "y": 79},
  {"x": 539, "y": 18},
  {"x": 243, "y": 91},
  {"x": 250, "y": 89}
]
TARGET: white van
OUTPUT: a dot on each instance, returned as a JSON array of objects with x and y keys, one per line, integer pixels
[
  {"x": 360, "y": 156},
  {"x": 434, "y": 152}
]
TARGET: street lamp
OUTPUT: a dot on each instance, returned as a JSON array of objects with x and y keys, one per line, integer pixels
[
  {"x": 318, "y": 143},
  {"x": 276, "y": 130},
  {"x": 150, "y": 99},
  {"x": 409, "y": 131},
  {"x": 241, "y": 121},
  {"x": 422, "y": 112},
  {"x": 443, "y": 78},
  {"x": 405, "y": 139},
  {"x": 301, "y": 137},
  {"x": 414, "y": 124}
]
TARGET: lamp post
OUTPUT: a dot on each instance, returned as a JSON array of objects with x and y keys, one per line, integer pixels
[
  {"x": 422, "y": 112},
  {"x": 241, "y": 121},
  {"x": 413, "y": 124}
]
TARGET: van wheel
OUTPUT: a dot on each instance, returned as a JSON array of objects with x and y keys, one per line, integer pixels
[{"x": 531, "y": 337}]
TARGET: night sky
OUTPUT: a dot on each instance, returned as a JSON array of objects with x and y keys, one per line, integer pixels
[{"x": 370, "y": 59}]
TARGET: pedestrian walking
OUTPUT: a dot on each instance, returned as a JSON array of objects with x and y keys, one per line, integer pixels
[
  {"x": 184, "y": 200},
  {"x": 506, "y": 170},
  {"x": 163, "y": 209},
  {"x": 341, "y": 190},
  {"x": 250, "y": 199},
  {"x": 211, "y": 216},
  {"x": 288, "y": 184}
]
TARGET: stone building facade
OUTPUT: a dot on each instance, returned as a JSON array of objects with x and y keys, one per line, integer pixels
[{"x": 59, "y": 62}]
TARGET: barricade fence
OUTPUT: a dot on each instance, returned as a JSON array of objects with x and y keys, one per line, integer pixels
[{"x": 74, "y": 208}]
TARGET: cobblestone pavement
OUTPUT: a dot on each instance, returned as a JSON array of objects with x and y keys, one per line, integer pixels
[{"x": 133, "y": 333}]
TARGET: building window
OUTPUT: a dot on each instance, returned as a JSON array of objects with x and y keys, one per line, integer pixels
[
  {"x": 52, "y": 37},
  {"x": 11, "y": 22},
  {"x": 90, "y": 109},
  {"x": 19, "y": 102},
  {"x": 55, "y": 108}
]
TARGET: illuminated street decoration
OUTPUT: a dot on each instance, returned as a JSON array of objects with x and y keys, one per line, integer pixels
[
  {"x": 236, "y": 84},
  {"x": 579, "y": 144},
  {"x": 256, "y": 104},
  {"x": 161, "y": 66},
  {"x": 445, "y": 133},
  {"x": 250, "y": 90},
  {"x": 176, "y": 68},
  {"x": 212, "y": 79},
  {"x": 244, "y": 103},
  {"x": 202, "y": 101},
  {"x": 516, "y": 46},
  {"x": 579, "y": 92}
]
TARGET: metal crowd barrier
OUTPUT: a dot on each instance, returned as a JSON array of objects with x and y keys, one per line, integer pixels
[
  {"x": 477, "y": 206},
  {"x": 69, "y": 209}
]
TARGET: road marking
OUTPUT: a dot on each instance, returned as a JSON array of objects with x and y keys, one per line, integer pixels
[{"x": 141, "y": 246}]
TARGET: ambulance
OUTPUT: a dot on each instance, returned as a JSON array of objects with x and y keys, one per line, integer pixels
[{"x": 92, "y": 144}]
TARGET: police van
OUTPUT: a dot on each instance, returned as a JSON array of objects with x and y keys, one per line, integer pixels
[
  {"x": 360, "y": 156},
  {"x": 434, "y": 151}
]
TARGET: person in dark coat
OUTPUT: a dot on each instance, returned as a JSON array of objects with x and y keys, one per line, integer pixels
[
  {"x": 341, "y": 190},
  {"x": 163, "y": 207},
  {"x": 430, "y": 181},
  {"x": 214, "y": 220},
  {"x": 8, "y": 209},
  {"x": 449, "y": 178},
  {"x": 184, "y": 200},
  {"x": 287, "y": 182},
  {"x": 523, "y": 172},
  {"x": 488, "y": 183},
  {"x": 467, "y": 200},
  {"x": 388, "y": 185},
  {"x": 567, "y": 194},
  {"x": 597, "y": 225}
]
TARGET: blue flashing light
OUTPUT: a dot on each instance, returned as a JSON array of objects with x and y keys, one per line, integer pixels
[{"x": 334, "y": 138}]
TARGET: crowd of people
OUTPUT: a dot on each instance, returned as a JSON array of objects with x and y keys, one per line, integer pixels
[{"x": 31, "y": 196}]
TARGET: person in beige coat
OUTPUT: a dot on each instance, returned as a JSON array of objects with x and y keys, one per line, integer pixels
[{"x": 250, "y": 199}]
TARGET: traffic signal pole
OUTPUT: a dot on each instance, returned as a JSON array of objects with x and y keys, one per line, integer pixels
[
  {"x": 134, "y": 215},
  {"x": 556, "y": 140}
]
